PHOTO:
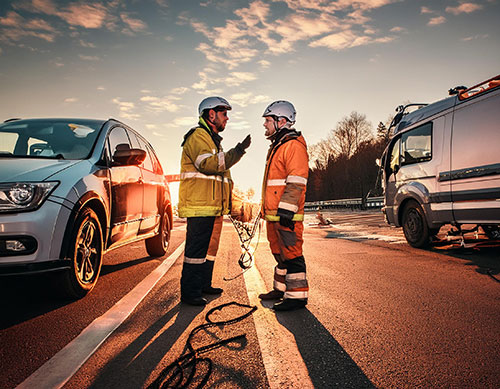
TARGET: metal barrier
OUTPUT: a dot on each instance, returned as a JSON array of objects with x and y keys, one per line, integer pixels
[{"x": 356, "y": 203}]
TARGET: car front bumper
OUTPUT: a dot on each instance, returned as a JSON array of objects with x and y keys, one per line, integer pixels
[{"x": 45, "y": 227}]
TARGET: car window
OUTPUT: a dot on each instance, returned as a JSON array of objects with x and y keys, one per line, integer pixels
[
  {"x": 8, "y": 143},
  {"x": 148, "y": 162},
  {"x": 416, "y": 145},
  {"x": 118, "y": 140},
  {"x": 394, "y": 157},
  {"x": 49, "y": 138},
  {"x": 157, "y": 164}
]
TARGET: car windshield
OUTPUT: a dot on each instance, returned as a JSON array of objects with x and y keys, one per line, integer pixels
[{"x": 49, "y": 138}]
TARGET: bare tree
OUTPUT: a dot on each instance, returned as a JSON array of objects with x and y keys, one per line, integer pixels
[
  {"x": 350, "y": 132},
  {"x": 321, "y": 152}
]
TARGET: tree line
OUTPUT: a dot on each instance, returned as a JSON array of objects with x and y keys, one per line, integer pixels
[{"x": 343, "y": 165}]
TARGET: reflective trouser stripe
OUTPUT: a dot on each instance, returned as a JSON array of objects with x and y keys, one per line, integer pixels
[
  {"x": 279, "y": 279},
  {"x": 295, "y": 295},
  {"x": 194, "y": 261}
]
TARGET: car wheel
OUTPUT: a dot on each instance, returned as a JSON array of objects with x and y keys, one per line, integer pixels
[
  {"x": 85, "y": 253},
  {"x": 491, "y": 231},
  {"x": 157, "y": 246},
  {"x": 415, "y": 226}
]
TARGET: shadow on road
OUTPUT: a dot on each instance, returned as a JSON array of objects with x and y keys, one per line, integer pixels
[
  {"x": 328, "y": 363},
  {"x": 111, "y": 268},
  {"x": 145, "y": 357},
  {"x": 26, "y": 297}
]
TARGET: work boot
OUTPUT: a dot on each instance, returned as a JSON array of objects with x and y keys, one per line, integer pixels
[
  {"x": 197, "y": 301},
  {"x": 211, "y": 290},
  {"x": 208, "y": 269},
  {"x": 289, "y": 304},
  {"x": 272, "y": 295}
]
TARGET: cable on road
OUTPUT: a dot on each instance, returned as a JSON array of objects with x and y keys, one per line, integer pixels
[
  {"x": 246, "y": 232},
  {"x": 180, "y": 373}
]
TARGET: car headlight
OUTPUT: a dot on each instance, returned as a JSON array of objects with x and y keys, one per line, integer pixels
[{"x": 24, "y": 196}]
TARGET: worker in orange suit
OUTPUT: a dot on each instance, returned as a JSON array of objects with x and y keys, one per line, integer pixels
[{"x": 283, "y": 198}]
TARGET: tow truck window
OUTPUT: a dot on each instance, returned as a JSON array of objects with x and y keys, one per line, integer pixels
[{"x": 416, "y": 145}]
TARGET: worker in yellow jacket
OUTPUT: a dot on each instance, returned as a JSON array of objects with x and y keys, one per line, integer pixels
[
  {"x": 205, "y": 196},
  {"x": 283, "y": 198}
]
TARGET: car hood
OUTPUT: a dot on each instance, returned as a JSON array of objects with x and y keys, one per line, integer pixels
[{"x": 17, "y": 170}]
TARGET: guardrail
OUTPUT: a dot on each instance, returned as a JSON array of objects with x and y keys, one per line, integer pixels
[{"x": 356, "y": 203}]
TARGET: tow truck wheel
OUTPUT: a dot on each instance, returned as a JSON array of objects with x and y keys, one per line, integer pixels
[{"x": 415, "y": 225}]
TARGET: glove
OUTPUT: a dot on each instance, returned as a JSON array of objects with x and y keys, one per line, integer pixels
[
  {"x": 288, "y": 223},
  {"x": 245, "y": 144},
  {"x": 286, "y": 218}
]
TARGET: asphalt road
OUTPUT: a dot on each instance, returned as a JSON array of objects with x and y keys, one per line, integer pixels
[{"x": 380, "y": 314}]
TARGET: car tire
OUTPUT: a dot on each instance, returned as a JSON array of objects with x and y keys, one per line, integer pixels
[
  {"x": 85, "y": 253},
  {"x": 415, "y": 225},
  {"x": 491, "y": 231},
  {"x": 157, "y": 246}
]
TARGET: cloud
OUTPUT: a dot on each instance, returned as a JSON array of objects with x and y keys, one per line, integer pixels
[
  {"x": 184, "y": 121},
  {"x": 87, "y": 44},
  {"x": 398, "y": 29},
  {"x": 161, "y": 104},
  {"x": 126, "y": 108},
  {"x": 89, "y": 57},
  {"x": 179, "y": 91},
  {"x": 347, "y": 39},
  {"x": 265, "y": 64},
  {"x": 318, "y": 23},
  {"x": 464, "y": 8},
  {"x": 437, "y": 20},
  {"x": 238, "y": 78},
  {"x": 101, "y": 88},
  {"x": 244, "y": 99},
  {"x": 71, "y": 100},
  {"x": 474, "y": 37},
  {"x": 135, "y": 25},
  {"x": 426, "y": 10},
  {"x": 90, "y": 16}
]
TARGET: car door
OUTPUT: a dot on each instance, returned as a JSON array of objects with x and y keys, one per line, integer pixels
[
  {"x": 475, "y": 160},
  {"x": 153, "y": 190},
  {"x": 127, "y": 192}
]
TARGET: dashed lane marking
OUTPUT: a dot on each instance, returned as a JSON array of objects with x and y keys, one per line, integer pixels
[
  {"x": 283, "y": 362},
  {"x": 62, "y": 366}
]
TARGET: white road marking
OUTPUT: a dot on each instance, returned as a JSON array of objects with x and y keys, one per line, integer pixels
[
  {"x": 62, "y": 366},
  {"x": 282, "y": 359}
]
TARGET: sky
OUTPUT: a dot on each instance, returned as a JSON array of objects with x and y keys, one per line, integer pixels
[{"x": 149, "y": 63}]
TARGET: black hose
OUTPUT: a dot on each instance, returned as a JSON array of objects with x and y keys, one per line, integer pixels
[{"x": 174, "y": 375}]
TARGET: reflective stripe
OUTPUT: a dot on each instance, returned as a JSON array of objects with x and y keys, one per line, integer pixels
[
  {"x": 296, "y": 276},
  {"x": 279, "y": 286},
  {"x": 296, "y": 180},
  {"x": 222, "y": 160},
  {"x": 200, "y": 159},
  {"x": 273, "y": 218},
  {"x": 211, "y": 258},
  {"x": 280, "y": 182},
  {"x": 187, "y": 175},
  {"x": 281, "y": 272},
  {"x": 295, "y": 295},
  {"x": 288, "y": 206},
  {"x": 194, "y": 261}
]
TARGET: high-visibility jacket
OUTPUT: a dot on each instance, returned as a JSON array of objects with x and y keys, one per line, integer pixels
[
  {"x": 205, "y": 180},
  {"x": 285, "y": 177}
]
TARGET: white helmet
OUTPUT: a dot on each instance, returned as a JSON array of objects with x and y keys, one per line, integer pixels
[
  {"x": 213, "y": 102},
  {"x": 281, "y": 108}
]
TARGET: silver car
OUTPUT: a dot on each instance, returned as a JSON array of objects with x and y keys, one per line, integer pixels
[{"x": 73, "y": 189}]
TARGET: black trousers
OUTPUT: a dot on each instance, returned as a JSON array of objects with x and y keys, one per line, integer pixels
[{"x": 194, "y": 269}]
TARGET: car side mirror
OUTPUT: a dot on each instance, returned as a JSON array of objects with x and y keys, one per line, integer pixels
[{"x": 129, "y": 157}]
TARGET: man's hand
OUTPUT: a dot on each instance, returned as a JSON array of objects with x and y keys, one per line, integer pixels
[
  {"x": 288, "y": 223},
  {"x": 246, "y": 142}
]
